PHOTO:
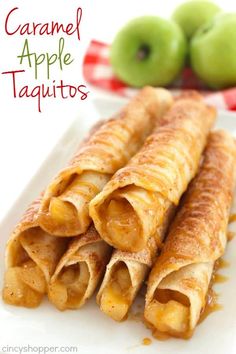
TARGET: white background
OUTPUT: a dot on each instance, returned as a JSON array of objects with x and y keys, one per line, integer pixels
[{"x": 26, "y": 136}]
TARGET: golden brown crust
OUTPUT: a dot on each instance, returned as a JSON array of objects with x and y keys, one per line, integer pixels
[
  {"x": 107, "y": 149},
  {"x": 185, "y": 135},
  {"x": 99, "y": 144},
  {"x": 198, "y": 233},
  {"x": 100, "y": 137},
  {"x": 206, "y": 206},
  {"x": 31, "y": 258},
  {"x": 90, "y": 236},
  {"x": 197, "y": 238},
  {"x": 87, "y": 249},
  {"x": 73, "y": 252},
  {"x": 28, "y": 220},
  {"x": 30, "y": 216},
  {"x": 145, "y": 256},
  {"x": 165, "y": 164},
  {"x": 29, "y": 242}
]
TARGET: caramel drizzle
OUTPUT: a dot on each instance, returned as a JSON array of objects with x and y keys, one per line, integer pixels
[
  {"x": 221, "y": 264},
  {"x": 230, "y": 235},
  {"x": 232, "y": 218},
  {"x": 212, "y": 304},
  {"x": 146, "y": 341}
]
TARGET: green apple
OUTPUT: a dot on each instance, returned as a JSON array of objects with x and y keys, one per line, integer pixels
[
  {"x": 213, "y": 51},
  {"x": 194, "y": 13},
  {"x": 148, "y": 51}
]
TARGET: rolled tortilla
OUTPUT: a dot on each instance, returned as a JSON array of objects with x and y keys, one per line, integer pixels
[
  {"x": 31, "y": 259},
  {"x": 131, "y": 206},
  {"x": 79, "y": 271},
  {"x": 179, "y": 280},
  {"x": 126, "y": 273},
  {"x": 64, "y": 210}
]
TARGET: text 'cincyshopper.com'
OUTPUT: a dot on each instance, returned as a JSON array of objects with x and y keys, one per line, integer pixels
[{"x": 9, "y": 349}]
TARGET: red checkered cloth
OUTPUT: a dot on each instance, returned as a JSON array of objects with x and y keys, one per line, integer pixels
[{"x": 98, "y": 72}]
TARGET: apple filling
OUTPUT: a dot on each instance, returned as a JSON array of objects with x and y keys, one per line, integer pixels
[
  {"x": 168, "y": 312},
  {"x": 69, "y": 289},
  {"x": 68, "y": 206},
  {"x": 62, "y": 211},
  {"x": 129, "y": 216},
  {"x": 115, "y": 299},
  {"x": 25, "y": 285},
  {"x": 122, "y": 223}
]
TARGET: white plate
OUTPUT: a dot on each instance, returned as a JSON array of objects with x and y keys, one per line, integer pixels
[{"x": 87, "y": 329}]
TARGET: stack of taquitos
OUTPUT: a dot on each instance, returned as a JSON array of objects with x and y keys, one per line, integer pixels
[
  {"x": 64, "y": 210},
  {"x": 107, "y": 149},
  {"x": 179, "y": 281},
  {"x": 82, "y": 266},
  {"x": 133, "y": 203},
  {"x": 164, "y": 166}
]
